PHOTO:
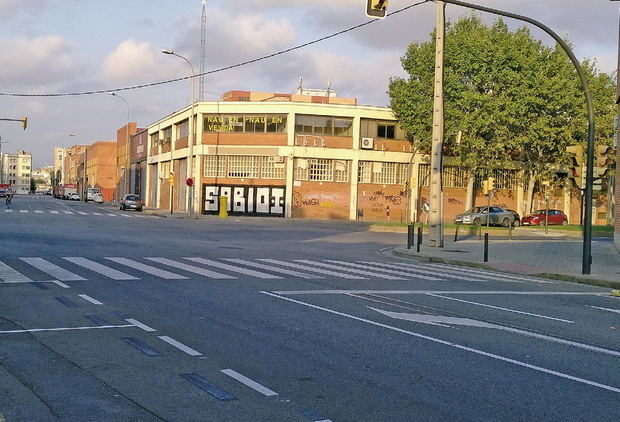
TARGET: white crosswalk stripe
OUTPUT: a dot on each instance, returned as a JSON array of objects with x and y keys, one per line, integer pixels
[
  {"x": 351, "y": 270},
  {"x": 99, "y": 268},
  {"x": 82, "y": 213},
  {"x": 191, "y": 268},
  {"x": 67, "y": 212},
  {"x": 271, "y": 268},
  {"x": 232, "y": 268},
  {"x": 38, "y": 212},
  {"x": 53, "y": 212},
  {"x": 420, "y": 269},
  {"x": 491, "y": 274},
  {"x": 8, "y": 210},
  {"x": 52, "y": 269},
  {"x": 386, "y": 270},
  {"x": 149, "y": 269},
  {"x": 24, "y": 211},
  {"x": 312, "y": 269},
  {"x": 8, "y": 274}
]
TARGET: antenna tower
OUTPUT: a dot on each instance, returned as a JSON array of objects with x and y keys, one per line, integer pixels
[{"x": 203, "y": 45}]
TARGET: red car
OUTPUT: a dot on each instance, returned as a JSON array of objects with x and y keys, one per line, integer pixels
[{"x": 538, "y": 218}]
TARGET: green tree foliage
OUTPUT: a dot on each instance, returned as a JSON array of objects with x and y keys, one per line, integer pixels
[{"x": 513, "y": 98}]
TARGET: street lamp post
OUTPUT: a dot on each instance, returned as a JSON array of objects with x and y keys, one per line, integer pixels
[
  {"x": 190, "y": 136},
  {"x": 127, "y": 163},
  {"x": 587, "y": 229},
  {"x": 2, "y": 160}
]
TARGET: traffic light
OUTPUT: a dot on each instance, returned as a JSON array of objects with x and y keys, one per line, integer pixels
[
  {"x": 25, "y": 122},
  {"x": 603, "y": 166},
  {"x": 485, "y": 187},
  {"x": 576, "y": 171},
  {"x": 376, "y": 8},
  {"x": 491, "y": 184}
]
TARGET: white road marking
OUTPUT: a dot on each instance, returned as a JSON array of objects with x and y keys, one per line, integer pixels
[
  {"x": 82, "y": 213},
  {"x": 40, "y": 330},
  {"x": 111, "y": 215},
  {"x": 38, "y": 212},
  {"x": 180, "y": 346},
  {"x": 487, "y": 274},
  {"x": 312, "y": 269},
  {"x": 139, "y": 324},
  {"x": 91, "y": 300},
  {"x": 605, "y": 309},
  {"x": 271, "y": 268},
  {"x": 8, "y": 274},
  {"x": 191, "y": 268},
  {"x": 444, "y": 321},
  {"x": 500, "y": 308},
  {"x": 67, "y": 212},
  {"x": 386, "y": 270},
  {"x": 8, "y": 210},
  {"x": 149, "y": 269},
  {"x": 453, "y": 345},
  {"x": 52, "y": 269},
  {"x": 53, "y": 212},
  {"x": 424, "y": 292},
  {"x": 99, "y": 268},
  {"x": 23, "y": 210},
  {"x": 60, "y": 284},
  {"x": 232, "y": 268},
  {"x": 96, "y": 213},
  {"x": 250, "y": 383},
  {"x": 419, "y": 269},
  {"x": 351, "y": 270}
]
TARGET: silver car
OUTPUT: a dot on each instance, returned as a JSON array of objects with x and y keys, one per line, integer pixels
[{"x": 480, "y": 216}]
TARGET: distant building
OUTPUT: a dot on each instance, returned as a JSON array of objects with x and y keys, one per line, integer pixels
[
  {"x": 16, "y": 170},
  {"x": 43, "y": 178}
]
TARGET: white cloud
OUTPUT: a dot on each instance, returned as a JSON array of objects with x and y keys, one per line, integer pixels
[
  {"x": 34, "y": 62},
  {"x": 134, "y": 61}
]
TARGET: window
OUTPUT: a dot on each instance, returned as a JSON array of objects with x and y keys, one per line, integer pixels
[
  {"x": 365, "y": 172},
  {"x": 321, "y": 170},
  {"x": 300, "y": 171},
  {"x": 242, "y": 166},
  {"x": 215, "y": 166},
  {"x": 403, "y": 174},
  {"x": 424, "y": 173},
  {"x": 454, "y": 177},
  {"x": 276, "y": 123},
  {"x": 270, "y": 169},
  {"x": 154, "y": 140},
  {"x": 341, "y": 170},
  {"x": 323, "y": 125},
  {"x": 183, "y": 129},
  {"x": 233, "y": 123},
  {"x": 254, "y": 123},
  {"x": 386, "y": 130},
  {"x": 384, "y": 173},
  {"x": 168, "y": 135}
]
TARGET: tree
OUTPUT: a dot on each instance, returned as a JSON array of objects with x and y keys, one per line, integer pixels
[{"x": 512, "y": 97}]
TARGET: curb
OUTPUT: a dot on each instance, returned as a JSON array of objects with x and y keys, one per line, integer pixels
[{"x": 553, "y": 276}]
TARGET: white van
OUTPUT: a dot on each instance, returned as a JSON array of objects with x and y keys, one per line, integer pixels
[{"x": 91, "y": 193}]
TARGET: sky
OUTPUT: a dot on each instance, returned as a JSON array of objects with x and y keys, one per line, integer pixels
[{"x": 73, "y": 46}]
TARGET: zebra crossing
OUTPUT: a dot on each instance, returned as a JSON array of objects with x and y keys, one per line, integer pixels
[
  {"x": 77, "y": 268},
  {"x": 72, "y": 212}
]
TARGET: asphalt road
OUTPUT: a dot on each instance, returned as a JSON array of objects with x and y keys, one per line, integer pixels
[{"x": 109, "y": 315}]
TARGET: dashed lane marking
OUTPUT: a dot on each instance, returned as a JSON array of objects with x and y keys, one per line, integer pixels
[
  {"x": 249, "y": 382},
  {"x": 180, "y": 346}
]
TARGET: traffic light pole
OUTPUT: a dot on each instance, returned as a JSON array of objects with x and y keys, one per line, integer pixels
[{"x": 587, "y": 229}]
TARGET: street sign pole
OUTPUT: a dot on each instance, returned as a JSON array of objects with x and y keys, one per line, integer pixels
[{"x": 435, "y": 235}]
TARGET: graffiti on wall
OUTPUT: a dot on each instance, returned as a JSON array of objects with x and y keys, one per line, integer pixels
[
  {"x": 249, "y": 200},
  {"x": 455, "y": 201},
  {"x": 379, "y": 200},
  {"x": 323, "y": 200}
]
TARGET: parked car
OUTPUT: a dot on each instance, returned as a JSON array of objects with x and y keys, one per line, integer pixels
[
  {"x": 74, "y": 196},
  {"x": 98, "y": 198},
  {"x": 131, "y": 201},
  {"x": 537, "y": 218},
  {"x": 517, "y": 221},
  {"x": 480, "y": 215}
]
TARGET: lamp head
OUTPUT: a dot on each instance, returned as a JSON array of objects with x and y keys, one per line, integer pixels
[{"x": 166, "y": 51}]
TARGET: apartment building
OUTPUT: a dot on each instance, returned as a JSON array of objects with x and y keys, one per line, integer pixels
[{"x": 16, "y": 170}]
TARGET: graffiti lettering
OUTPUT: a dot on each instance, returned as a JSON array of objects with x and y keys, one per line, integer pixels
[
  {"x": 254, "y": 200},
  {"x": 454, "y": 201}
]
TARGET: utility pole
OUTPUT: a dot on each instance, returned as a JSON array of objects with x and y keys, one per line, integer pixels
[
  {"x": 203, "y": 52},
  {"x": 2, "y": 160},
  {"x": 435, "y": 237}
]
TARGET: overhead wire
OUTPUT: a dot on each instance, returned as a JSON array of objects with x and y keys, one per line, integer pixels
[{"x": 211, "y": 72}]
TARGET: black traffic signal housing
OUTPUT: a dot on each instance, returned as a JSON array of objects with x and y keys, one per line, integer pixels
[
  {"x": 25, "y": 122},
  {"x": 376, "y": 8},
  {"x": 576, "y": 171}
]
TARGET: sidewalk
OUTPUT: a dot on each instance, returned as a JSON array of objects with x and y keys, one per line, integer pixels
[{"x": 553, "y": 258}]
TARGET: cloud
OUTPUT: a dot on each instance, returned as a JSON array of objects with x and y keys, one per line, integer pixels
[
  {"x": 134, "y": 61},
  {"x": 39, "y": 61},
  {"x": 11, "y": 8}
]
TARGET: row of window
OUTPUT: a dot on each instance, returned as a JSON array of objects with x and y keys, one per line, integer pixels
[
  {"x": 457, "y": 177},
  {"x": 244, "y": 166},
  {"x": 244, "y": 123}
]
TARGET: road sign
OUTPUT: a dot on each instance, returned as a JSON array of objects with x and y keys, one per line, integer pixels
[{"x": 189, "y": 182}]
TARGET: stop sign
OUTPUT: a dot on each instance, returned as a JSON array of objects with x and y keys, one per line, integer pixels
[{"x": 189, "y": 182}]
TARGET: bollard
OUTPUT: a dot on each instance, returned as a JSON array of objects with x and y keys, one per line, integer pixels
[
  {"x": 456, "y": 233},
  {"x": 510, "y": 227},
  {"x": 419, "y": 238},
  {"x": 409, "y": 235},
  {"x": 223, "y": 207},
  {"x": 486, "y": 247}
]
